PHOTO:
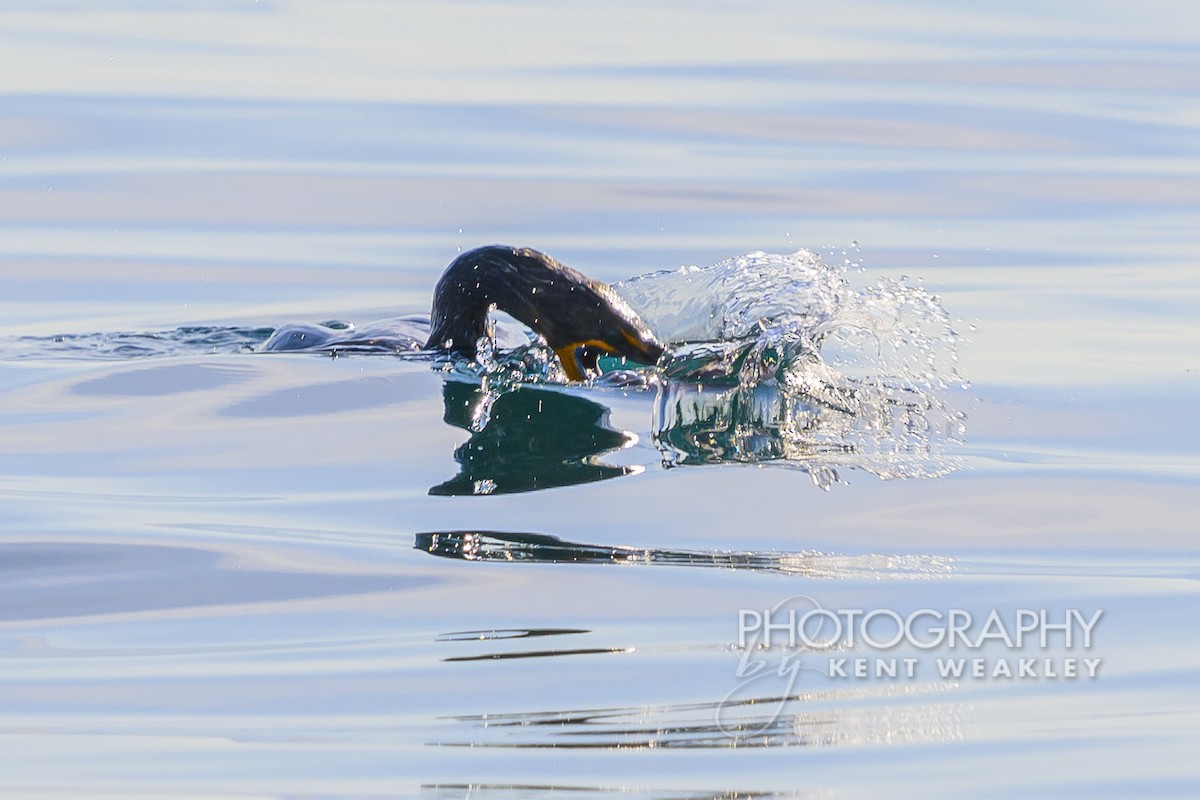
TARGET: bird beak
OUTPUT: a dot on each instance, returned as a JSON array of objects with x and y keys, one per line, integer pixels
[
  {"x": 574, "y": 358},
  {"x": 570, "y": 365},
  {"x": 580, "y": 359}
]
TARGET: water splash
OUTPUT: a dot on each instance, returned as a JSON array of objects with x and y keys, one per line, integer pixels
[
  {"x": 779, "y": 358},
  {"x": 500, "y": 371},
  {"x": 761, "y": 315}
]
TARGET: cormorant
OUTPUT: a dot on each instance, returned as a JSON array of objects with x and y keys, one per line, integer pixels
[{"x": 580, "y": 318}]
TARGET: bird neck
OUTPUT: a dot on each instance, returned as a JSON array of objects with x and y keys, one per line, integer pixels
[{"x": 491, "y": 277}]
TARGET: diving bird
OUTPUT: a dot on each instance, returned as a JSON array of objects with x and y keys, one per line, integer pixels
[{"x": 580, "y": 318}]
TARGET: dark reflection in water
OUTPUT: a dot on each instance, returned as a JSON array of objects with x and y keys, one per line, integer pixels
[
  {"x": 525, "y": 438},
  {"x": 533, "y": 439},
  {"x": 521, "y": 633},
  {"x": 510, "y": 546},
  {"x": 582, "y": 651}
]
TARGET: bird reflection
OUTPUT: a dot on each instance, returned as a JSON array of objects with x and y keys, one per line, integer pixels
[
  {"x": 529, "y": 438},
  {"x": 532, "y": 439}
]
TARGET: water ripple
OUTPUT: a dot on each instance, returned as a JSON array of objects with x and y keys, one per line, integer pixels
[{"x": 184, "y": 341}]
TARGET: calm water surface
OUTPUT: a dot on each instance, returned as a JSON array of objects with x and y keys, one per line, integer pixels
[{"x": 237, "y": 574}]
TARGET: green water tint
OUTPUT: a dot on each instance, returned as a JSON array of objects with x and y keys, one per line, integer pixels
[{"x": 533, "y": 439}]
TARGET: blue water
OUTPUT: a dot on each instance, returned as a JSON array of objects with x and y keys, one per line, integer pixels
[{"x": 241, "y": 574}]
